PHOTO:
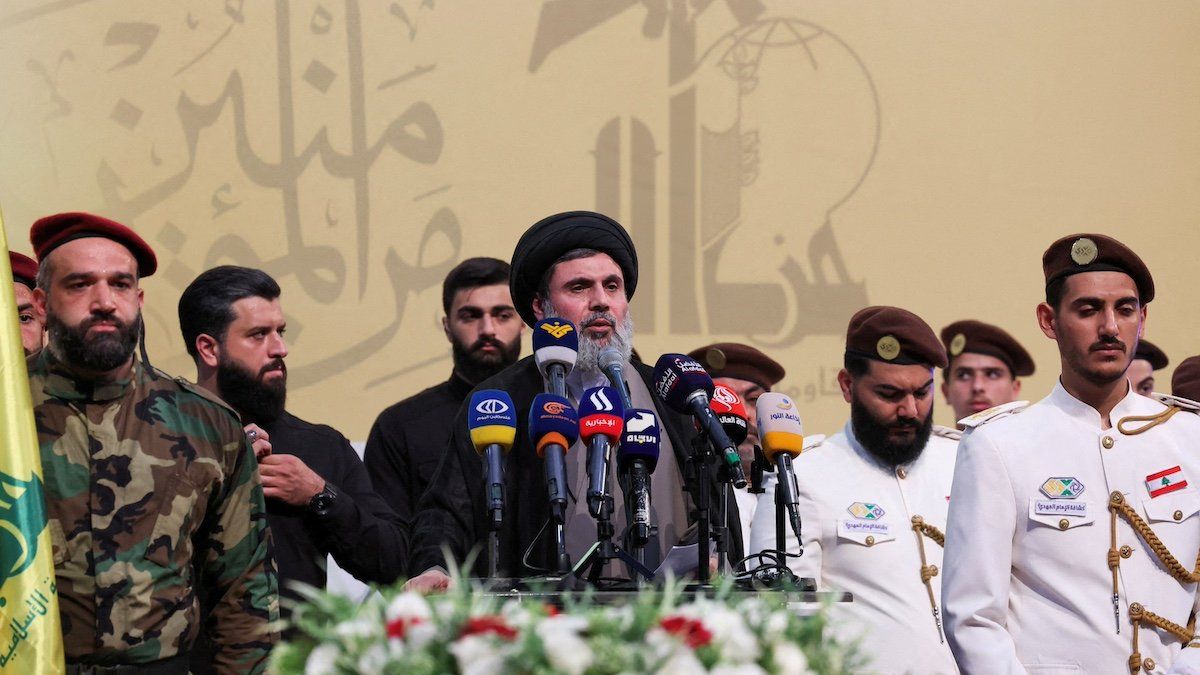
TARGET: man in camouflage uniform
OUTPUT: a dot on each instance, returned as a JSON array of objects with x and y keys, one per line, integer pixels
[{"x": 155, "y": 506}]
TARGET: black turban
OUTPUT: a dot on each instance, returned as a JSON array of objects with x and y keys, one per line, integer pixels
[{"x": 549, "y": 238}]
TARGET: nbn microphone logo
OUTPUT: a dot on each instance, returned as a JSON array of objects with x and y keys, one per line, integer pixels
[
  {"x": 600, "y": 401},
  {"x": 491, "y": 406}
]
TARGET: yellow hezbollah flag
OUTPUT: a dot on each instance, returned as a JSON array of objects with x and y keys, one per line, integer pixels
[{"x": 30, "y": 634}]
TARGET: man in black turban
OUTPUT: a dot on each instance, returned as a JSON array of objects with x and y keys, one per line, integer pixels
[{"x": 580, "y": 266}]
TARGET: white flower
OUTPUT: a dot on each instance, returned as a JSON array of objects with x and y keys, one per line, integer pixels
[
  {"x": 774, "y": 627},
  {"x": 789, "y": 658},
  {"x": 408, "y": 605},
  {"x": 682, "y": 662},
  {"x": 477, "y": 655},
  {"x": 421, "y": 634},
  {"x": 730, "y": 634},
  {"x": 373, "y": 658},
  {"x": 321, "y": 660},
  {"x": 359, "y": 627},
  {"x": 565, "y": 649},
  {"x": 741, "y": 669}
]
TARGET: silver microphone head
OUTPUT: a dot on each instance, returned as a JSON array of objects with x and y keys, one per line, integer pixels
[{"x": 611, "y": 357}]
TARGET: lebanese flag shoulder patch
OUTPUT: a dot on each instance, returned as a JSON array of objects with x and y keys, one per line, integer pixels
[{"x": 1165, "y": 482}]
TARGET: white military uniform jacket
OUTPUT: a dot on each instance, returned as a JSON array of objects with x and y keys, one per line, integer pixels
[
  {"x": 857, "y": 530},
  {"x": 1027, "y": 585}
]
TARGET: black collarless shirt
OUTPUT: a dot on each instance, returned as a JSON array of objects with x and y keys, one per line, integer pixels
[
  {"x": 409, "y": 439},
  {"x": 365, "y": 537}
]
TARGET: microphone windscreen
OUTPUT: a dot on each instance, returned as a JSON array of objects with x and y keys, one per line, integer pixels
[
  {"x": 731, "y": 412},
  {"x": 492, "y": 419},
  {"x": 640, "y": 439},
  {"x": 552, "y": 419},
  {"x": 779, "y": 426},
  {"x": 610, "y": 356},
  {"x": 678, "y": 376},
  {"x": 555, "y": 341},
  {"x": 601, "y": 413}
]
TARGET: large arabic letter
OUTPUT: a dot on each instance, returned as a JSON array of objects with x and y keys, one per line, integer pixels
[
  {"x": 424, "y": 148},
  {"x": 139, "y": 35}
]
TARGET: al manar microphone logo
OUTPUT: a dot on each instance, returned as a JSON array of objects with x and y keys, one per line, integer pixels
[
  {"x": 725, "y": 395},
  {"x": 491, "y": 406},
  {"x": 554, "y": 407},
  {"x": 601, "y": 401},
  {"x": 557, "y": 330}
]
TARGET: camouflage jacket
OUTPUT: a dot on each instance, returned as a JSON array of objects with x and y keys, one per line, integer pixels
[{"x": 157, "y": 516}]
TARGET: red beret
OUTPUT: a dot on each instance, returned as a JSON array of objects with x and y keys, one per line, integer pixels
[
  {"x": 51, "y": 232},
  {"x": 894, "y": 335},
  {"x": 1185, "y": 381},
  {"x": 1148, "y": 351},
  {"x": 977, "y": 337},
  {"x": 743, "y": 362},
  {"x": 1096, "y": 253},
  {"x": 24, "y": 269}
]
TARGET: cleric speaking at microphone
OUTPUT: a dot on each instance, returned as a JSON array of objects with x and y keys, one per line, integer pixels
[{"x": 580, "y": 266}]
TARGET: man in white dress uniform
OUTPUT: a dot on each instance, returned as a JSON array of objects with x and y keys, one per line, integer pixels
[
  {"x": 1075, "y": 523},
  {"x": 873, "y": 498}
]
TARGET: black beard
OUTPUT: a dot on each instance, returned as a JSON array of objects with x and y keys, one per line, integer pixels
[
  {"x": 475, "y": 367},
  {"x": 100, "y": 353},
  {"x": 256, "y": 400},
  {"x": 874, "y": 437}
]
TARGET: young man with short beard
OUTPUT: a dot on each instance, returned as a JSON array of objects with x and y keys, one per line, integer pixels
[
  {"x": 862, "y": 490},
  {"x": 319, "y": 499},
  {"x": 986, "y": 364},
  {"x": 29, "y": 318},
  {"x": 581, "y": 266},
  {"x": 154, "y": 502},
  {"x": 409, "y": 438},
  {"x": 1076, "y": 521}
]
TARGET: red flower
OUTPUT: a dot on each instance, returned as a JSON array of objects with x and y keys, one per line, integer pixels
[
  {"x": 551, "y": 610},
  {"x": 692, "y": 632},
  {"x": 481, "y": 625},
  {"x": 396, "y": 628}
]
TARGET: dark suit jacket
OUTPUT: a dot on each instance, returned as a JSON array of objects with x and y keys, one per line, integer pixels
[{"x": 453, "y": 511}]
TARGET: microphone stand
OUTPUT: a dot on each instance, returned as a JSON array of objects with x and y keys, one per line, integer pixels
[
  {"x": 556, "y": 383},
  {"x": 637, "y": 535},
  {"x": 701, "y": 452},
  {"x": 604, "y": 549},
  {"x": 720, "y": 528}
]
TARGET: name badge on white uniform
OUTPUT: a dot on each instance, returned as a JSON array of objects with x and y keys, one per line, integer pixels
[{"x": 1054, "y": 507}]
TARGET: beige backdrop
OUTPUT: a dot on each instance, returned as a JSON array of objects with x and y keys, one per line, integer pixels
[{"x": 780, "y": 164}]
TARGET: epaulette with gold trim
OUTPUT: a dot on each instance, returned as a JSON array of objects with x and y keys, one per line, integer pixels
[
  {"x": 1177, "y": 402},
  {"x": 813, "y": 441},
  {"x": 992, "y": 414},
  {"x": 947, "y": 432}
]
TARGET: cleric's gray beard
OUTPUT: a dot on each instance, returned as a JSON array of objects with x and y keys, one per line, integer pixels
[{"x": 588, "y": 358}]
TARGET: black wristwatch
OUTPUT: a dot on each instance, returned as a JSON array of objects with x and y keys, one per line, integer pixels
[{"x": 323, "y": 501}]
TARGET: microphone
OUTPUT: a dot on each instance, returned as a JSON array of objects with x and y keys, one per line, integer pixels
[
  {"x": 492, "y": 421},
  {"x": 637, "y": 456},
  {"x": 685, "y": 387},
  {"x": 554, "y": 428},
  {"x": 782, "y": 437},
  {"x": 555, "y": 348},
  {"x": 612, "y": 364},
  {"x": 601, "y": 418},
  {"x": 730, "y": 412}
]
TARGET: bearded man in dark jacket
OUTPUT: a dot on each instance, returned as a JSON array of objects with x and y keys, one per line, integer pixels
[{"x": 580, "y": 266}]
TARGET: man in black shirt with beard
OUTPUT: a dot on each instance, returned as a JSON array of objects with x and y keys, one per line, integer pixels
[
  {"x": 409, "y": 438},
  {"x": 319, "y": 498}
]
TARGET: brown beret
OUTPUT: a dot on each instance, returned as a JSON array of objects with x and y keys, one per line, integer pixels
[
  {"x": 1148, "y": 351},
  {"x": 743, "y": 362},
  {"x": 549, "y": 238},
  {"x": 977, "y": 337},
  {"x": 1096, "y": 253},
  {"x": 24, "y": 269},
  {"x": 51, "y": 232},
  {"x": 894, "y": 335},
  {"x": 1186, "y": 380}
]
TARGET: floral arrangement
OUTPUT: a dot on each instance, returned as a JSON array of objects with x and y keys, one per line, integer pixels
[{"x": 466, "y": 631}]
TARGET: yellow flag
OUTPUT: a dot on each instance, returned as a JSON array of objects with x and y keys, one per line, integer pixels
[{"x": 30, "y": 633}]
